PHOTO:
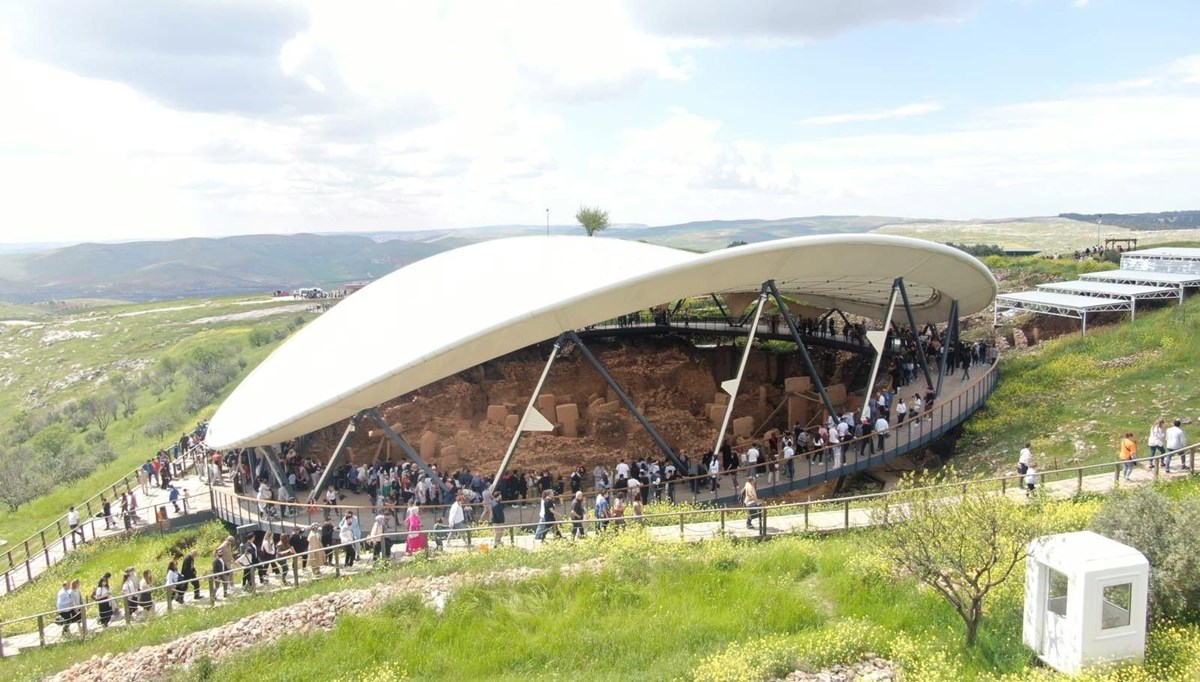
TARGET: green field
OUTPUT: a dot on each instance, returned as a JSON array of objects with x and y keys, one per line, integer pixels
[{"x": 50, "y": 368}]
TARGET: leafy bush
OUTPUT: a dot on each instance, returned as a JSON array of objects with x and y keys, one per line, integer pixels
[
  {"x": 1163, "y": 530},
  {"x": 260, "y": 337}
]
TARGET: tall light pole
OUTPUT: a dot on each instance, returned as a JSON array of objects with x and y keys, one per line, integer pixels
[{"x": 547, "y": 222}]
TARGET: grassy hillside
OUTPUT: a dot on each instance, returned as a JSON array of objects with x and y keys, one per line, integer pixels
[
  {"x": 141, "y": 360},
  {"x": 1075, "y": 396}
]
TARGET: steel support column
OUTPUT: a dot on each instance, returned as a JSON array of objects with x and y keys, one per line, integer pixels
[
  {"x": 729, "y": 320},
  {"x": 537, "y": 390},
  {"x": 912, "y": 324},
  {"x": 335, "y": 460},
  {"x": 272, "y": 459},
  {"x": 808, "y": 362},
  {"x": 731, "y": 386},
  {"x": 624, "y": 398},
  {"x": 951, "y": 335},
  {"x": 878, "y": 340},
  {"x": 408, "y": 449}
]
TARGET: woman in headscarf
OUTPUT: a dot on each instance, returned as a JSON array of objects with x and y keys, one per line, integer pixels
[
  {"x": 416, "y": 539},
  {"x": 316, "y": 559},
  {"x": 377, "y": 539}
]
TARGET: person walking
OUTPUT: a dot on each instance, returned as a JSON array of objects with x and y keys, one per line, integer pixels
[
  {"x": 129, "y": 588},
  {"x": 102, "y": 597},
  {"x": 346, "y": 539},
  {"x": 174, "y": 591},
  {"x": 546, "y": 518},
  {"x": 316, "y": 558},
  {"x": 68, "y": 607},
  {"x": 1024, "y": 459},
  {"x": 415, "y": 542},
  {"x": 106, "y": 509},
  {"x": 73, "y": 523},
  {"x": 1128, "y": 454},
  {"x": 751, "y": 503},
  {"x": 1176, "y": 441},
  {"x": 1157, "y": 441},
  {"x": 577, "y": 515},
  {"x": 494, "y": 509}
]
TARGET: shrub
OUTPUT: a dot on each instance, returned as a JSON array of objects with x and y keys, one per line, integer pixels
[
  {"x": 260, "y": 337},
  {"x": 1163, "y": 530}
]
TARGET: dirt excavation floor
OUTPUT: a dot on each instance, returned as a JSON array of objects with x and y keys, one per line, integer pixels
[{"x": 468, "y": 419}]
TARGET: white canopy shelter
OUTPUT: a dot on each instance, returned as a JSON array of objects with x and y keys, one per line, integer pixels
[
  {"x": 1175, "y": 280},
  {"x": 1163, "y": 259},
  {"x": 1073, "y": 306},
  {"x": 455, "y": 310},
  {"x": 1131, "y": 292}
]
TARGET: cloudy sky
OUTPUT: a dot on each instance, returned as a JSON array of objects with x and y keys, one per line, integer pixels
[{"x": 128, "y": 119}]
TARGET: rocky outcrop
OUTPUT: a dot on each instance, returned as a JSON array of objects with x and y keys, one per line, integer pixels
[{"x": 870, "y": 669}]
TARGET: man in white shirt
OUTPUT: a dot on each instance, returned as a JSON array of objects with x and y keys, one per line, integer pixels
[
  {"x": 1025, "y": 458},
  {"x": 788, "y": 453},
  {"x": 714, "y": 470},
  {"x": 1176, "y": 440},
  {"x": 635, "y": 487},
  {"x": 881, "y": 431},
  {"x": 622, "y": 470},
  {"x": 752, "y": 460},
  {"x": 73, "y": 522}
]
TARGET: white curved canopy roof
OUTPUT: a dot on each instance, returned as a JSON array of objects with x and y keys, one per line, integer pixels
[{"x": 455, "y": 310}]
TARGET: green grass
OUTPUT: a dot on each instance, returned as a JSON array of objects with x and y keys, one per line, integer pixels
[
  {"x": 38, "y": 370},
  {"x": 707, "y": 611},
  {"x": 148, "y": 549},
  {"x": 36, "y": 664},
  {"x": 1074, "y": 396}
]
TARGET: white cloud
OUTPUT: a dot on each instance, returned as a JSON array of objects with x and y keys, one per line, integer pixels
[
  {"x": 1080, "y": 3},
  {"x": 905, "y": 111},
  {"x": 1129, "y": 151},
  {"x": 789, "y": 20}
]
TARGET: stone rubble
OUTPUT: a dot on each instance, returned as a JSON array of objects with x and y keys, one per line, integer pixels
[
  {"x": 313, "y": 614},
  {"x": 871, "y": 668}
]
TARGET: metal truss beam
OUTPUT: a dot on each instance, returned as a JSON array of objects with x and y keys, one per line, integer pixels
[
  {"x": 530, "y": 408},
  {"x": 912, "y": 324},
  {"x": 272, "y": 459},
  {"x": 731, "y": 386},
  {"x": 335, "y": 460},
  {"x": 624, "y": 398},
  {"x": 951, "y": 336},
  {"x": 408, "y": 449},
  {"x": 808, "y": 362}
]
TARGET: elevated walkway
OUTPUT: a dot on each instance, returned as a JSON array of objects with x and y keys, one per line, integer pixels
[{"x": 960, "y": 399}]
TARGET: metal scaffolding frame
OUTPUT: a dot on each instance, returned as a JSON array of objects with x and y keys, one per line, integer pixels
[{"x": 1059, "y": 305}]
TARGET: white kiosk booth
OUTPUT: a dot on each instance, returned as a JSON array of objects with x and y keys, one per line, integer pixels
[{"x": 1085, "y": 601}]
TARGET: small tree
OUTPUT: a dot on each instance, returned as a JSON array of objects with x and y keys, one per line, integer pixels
[
  {"x": 126, "y": 390},
  {"x": 21, "y": 480},
  {"x": 961, "y": 543},
  {"x": 593, "y": 219},
  {"x": 101, "y": 409}
]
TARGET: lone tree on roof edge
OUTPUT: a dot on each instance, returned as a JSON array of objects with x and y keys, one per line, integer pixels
[{"x": 592, "y": 218}]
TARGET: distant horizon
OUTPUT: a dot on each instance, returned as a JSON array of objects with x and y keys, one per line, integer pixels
[{"x": 20, "y": 246}]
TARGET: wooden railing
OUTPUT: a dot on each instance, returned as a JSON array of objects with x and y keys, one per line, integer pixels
[
  {"x": 35, "y": 554},
  {"x": 717, "y": 518}
]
